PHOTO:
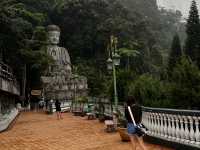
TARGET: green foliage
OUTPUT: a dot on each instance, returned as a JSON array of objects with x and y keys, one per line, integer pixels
[
  {"x": 175, "y": 53},
  {"x": 35, "y": 56},
  {"x": 181, "y": 91},
  {"x": 128, "y": 54},
  {"x": 192, "y": 45},
  {"x": 98, "y": 81},
  {"x": 124, "y": 78},
  {"x": 144, "y": 34},
  {"x": 149, "y": 91},
  {"x": 87, "y": 25},
  {"x": 185, "y": 91},
  {"x": 82, "y": 99}
]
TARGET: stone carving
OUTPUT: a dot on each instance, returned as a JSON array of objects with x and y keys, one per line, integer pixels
[
  {"x": 59, "y": 54},
  {"x": 60, "y": 82}
]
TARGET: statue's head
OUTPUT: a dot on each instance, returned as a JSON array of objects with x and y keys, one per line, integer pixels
[{"x": 53, "y": 34}]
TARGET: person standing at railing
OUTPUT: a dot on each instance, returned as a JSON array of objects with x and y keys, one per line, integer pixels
[{"x": 131, "y": 128}]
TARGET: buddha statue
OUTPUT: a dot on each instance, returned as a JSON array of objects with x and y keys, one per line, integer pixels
[
  {"x": 59, "y": 81},
  {"x": 59, "y": 54}
]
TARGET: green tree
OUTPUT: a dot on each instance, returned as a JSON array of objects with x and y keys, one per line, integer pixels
[
  {"x": 124, "y": 78},
  {"x": 192, "y": 44},
  {"x": 185, "y": 89},
  {"x": 128, "y": 54},
  {"x": 149, "y": 91},
  {"x": 175, "y": 53}
]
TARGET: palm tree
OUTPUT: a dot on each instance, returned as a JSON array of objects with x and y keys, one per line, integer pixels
[{"x": 128, "y": 53}]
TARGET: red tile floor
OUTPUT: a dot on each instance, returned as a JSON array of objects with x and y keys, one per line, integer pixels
[{"x": 39, "y": 131}]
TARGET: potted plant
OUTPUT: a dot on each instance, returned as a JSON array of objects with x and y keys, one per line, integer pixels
[
  {"x": 82, "y": 100},
  {"x": 101, "y": 112},
  {"x": 121, "y": 127}
]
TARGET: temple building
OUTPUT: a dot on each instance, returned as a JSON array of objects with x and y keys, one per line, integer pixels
[{"x": 60, "y": 82}]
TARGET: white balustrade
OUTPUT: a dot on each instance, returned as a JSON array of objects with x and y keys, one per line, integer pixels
[{"x": 173, "y": 125}]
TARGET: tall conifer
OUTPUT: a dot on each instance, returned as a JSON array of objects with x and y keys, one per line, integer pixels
[
  {"x": 176, "y": 52},
  {"x": 192, "y": 45}
]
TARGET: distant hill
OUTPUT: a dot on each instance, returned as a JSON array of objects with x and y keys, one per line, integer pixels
[{"x": 182, "y": 5}]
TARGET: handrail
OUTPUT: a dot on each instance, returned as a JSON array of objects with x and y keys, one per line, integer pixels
[
  {"x": 181, "y": 126},
  {"x": 175, "y": 125},
  {"x": 172, "y": 111}
]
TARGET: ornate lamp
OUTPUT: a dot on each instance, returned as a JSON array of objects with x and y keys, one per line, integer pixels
[
  {"x": 109, "y": 64},
  {"x": 116, "y": 59}
]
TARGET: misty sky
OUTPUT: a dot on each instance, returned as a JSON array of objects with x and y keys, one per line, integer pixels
[{"x": 182, "y": 5}]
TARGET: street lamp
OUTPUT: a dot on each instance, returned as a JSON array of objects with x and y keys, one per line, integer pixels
[
  {"x": 113, "y": 60},
  {"x": 74, "y": 88},
  {"x": 116, "y": 59},
  {"x": 109, "y": 64}
]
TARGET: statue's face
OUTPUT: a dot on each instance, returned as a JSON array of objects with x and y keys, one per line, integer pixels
[{"x": 54, "y": 37}]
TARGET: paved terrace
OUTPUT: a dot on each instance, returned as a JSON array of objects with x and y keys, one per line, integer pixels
[{"x": 38, "y": 131}]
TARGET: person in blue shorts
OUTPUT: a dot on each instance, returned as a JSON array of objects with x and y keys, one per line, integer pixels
[{"x": 131, "y": 128}]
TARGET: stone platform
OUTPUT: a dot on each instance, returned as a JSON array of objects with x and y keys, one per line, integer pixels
[{"x": 38, "y": 131}]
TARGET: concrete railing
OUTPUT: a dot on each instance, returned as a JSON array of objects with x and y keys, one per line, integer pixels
[
  {"x": 6, "y": 120},
  {"x": 179, "y": 126}
]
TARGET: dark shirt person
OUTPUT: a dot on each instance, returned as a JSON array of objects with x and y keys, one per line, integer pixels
[
  {"x": 58, "y": 109},
  {"x": 131, "y": 128},
  {"x": 137, "y": 114}
]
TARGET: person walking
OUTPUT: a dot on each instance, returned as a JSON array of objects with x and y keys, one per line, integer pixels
[
  {"x": 131, "y": 127},
  {"x": 58, "y": 110}
]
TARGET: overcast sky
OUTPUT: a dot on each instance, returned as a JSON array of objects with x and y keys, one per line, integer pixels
[{"x": 182, "y": 5}]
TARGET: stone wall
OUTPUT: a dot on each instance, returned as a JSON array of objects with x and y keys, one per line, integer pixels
[
  {"x": 9, "y": 93},
  {"x": 9, "y": 89}
]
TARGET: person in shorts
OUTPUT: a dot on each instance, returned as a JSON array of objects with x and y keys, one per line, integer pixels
[
  {"x": 131, "y": 128},
  {"x": 58, "y": 110}
]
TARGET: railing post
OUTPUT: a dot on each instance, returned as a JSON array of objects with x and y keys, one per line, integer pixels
[
  {"x": 169, "y": 126},
  {"x": 150, "y": 123},
  {"x": 157, "y": 128},
  {"x": 191, "y": 134},
  {"x": 154, "y": 124},
  {"x": 161, "y": 125},
  {"x": 186, "y": 129},
  {"x": 197, "y": 133},
  {"x": 177, "y": 132},
  {"x": 182, "y": 131},
  {"x": 173, "y": 131},
  {"x": 165, "y": 126}
]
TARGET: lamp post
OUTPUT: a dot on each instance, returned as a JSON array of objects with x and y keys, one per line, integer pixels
[
  {"x": 74, "y": 84},
  {"x": 112, "y": 62}
]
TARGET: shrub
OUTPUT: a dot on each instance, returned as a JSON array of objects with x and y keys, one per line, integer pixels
[{"x": 149, "y": 91}]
